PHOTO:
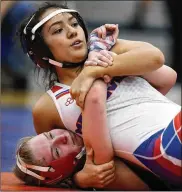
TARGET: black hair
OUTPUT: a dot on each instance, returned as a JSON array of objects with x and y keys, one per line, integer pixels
[{"x": 37, "y": 49}]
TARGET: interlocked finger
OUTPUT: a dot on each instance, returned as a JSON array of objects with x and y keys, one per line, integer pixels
[
  {"x": 91, "y": 63},
  {"x": 101, "y": 63},
  {"x": 107, "y": 54},
  {"x": 103, "y": 29},
  {"x": 109, "y": 179},
  {"x": 109, "y": 172},
  {"x": 105, "y": 59},
  {"x": 81, "y": 99}
]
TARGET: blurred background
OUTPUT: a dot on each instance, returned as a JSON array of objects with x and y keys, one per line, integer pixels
[{"x": 156, "y": 22}]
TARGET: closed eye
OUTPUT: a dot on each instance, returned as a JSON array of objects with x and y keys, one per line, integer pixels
[
  {"x": 57, "y": 152},
  {"x": 50, "y": 135}
]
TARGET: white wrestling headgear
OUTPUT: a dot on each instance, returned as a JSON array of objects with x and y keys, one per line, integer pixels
[
  {"x": 44, "y": 20},
  {"x": 34, "y": 29}
]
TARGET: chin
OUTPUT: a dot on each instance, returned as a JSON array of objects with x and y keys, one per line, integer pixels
[{"x": 80, "y": 57}]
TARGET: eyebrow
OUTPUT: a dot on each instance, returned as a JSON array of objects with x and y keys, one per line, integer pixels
[
  {"x": 60, "y": 22},
  {"x": 50, "y": 146}
]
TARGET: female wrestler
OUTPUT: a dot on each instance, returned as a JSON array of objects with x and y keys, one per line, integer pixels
[{"x": 53, "y": 33}]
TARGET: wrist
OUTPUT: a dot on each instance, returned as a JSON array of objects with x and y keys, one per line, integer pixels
[
  {"x": 91, "y": 71},
  {"x": 79, "y": 180}
]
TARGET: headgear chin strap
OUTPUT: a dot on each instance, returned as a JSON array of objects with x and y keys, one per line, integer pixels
[
  {"x": 32, "y": 55},
  {"x": 57, "y": 170},
  {"x": 64, "y": 64}
]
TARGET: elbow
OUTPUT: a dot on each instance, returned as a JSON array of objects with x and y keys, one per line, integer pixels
[
  {"x": 97, "y": 93},
  {"x": 158, "y": 58}
]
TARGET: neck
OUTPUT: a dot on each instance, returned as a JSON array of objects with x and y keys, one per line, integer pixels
[{"x": 67, "y": 76}]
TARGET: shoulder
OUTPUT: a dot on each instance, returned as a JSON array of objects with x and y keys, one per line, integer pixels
[
  {"x": 45, "y": 114},
  {"x": 43, "y": 104}
]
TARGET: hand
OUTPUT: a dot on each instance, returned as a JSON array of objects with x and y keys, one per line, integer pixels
[
  {"x": 109, "y": 32},
  {"x": 104, "y": 29},
  {"x": 102, "y": 58},
  {"x": 96, "y": 176},
  {"x": 81, "y": 85}
]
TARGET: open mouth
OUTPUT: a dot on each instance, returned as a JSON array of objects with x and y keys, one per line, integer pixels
[{"x": 76, "y": 43}]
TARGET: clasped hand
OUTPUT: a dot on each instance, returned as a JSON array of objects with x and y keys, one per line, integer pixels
[
  {"x": 82, "y": 84},
  {"x": 95, "y": 176}
]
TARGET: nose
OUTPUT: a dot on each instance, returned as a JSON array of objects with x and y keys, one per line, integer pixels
[
  {"x": 71, "y": 32},
  {"x": 60, "y": 139}
]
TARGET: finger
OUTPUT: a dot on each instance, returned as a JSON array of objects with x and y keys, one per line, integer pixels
[
  {"x": 81, "y": 98},
  {"x": 78, "y": 101},
  {"x": 107, "y": 78},
  {"x": 104, "y": 31},
  {"x": 103, "y": 64},
  {"x": 90, "y": 156},
  {"x": 116, "y": 32},
  {"x": 111, "y": 53},
  {"x": 109, "y": 179},
  {"x": 91, "y": 63},
  {"x": 105, "y": 59},
  {"x": 99, "y": 32},
  {"x": 76, "y": 97},
  {"x": 72, "y": 93},
  {"x": 106, "y": 54},
  {"x": 109, "y": 172},
  {"x": 107, "y": 166},
  {"x": 110, "y": 26}
]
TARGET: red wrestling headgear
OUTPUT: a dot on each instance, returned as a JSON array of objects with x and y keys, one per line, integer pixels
[{"x": 57, "y": 170}]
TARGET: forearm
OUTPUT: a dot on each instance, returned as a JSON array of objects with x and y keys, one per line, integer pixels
[
  {"x": 95, "y": 130},
  {"x": 125, "y": 179},
  {"x": 79, "y": 180},
  {"x": 137, "y": 61}
]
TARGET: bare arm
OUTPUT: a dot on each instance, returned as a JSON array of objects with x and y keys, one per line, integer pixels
[
  {"x": 95, "y": 129},
  {"x": 133, "y": 58},
  {"x": 96, "y": 135},
  {"x": 163, "y": 79}
]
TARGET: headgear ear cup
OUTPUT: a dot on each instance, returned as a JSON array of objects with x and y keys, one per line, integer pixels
[
  {"x": 63, "y": 168},
  {"x": 57, "y": 171}
]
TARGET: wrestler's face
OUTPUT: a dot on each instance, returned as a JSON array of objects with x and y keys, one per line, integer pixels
[
  {"x": 54, "y": 144},
  {"x": 64, "y": 37}
]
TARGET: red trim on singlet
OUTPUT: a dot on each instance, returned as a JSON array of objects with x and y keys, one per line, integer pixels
[
  {"x": 62, "y": 94},
  {"x": 165, "y": 163},
  {"x": 177, "y": 125},
  {"x": 55, "y": 88}
]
